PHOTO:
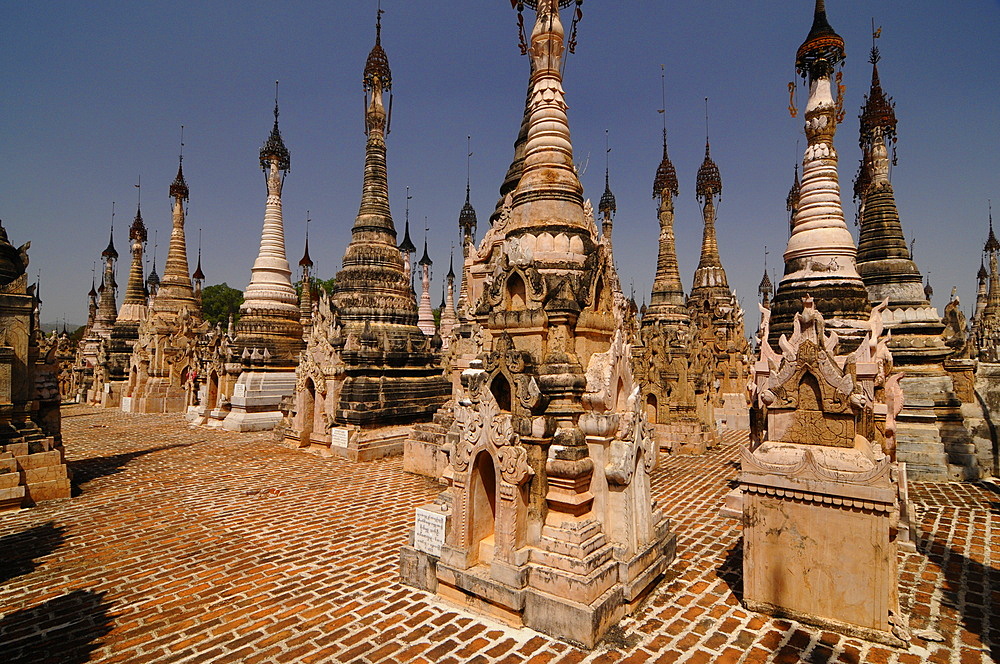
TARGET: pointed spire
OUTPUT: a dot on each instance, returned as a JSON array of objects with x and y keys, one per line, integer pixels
[
  {"x": 451, "y": 264},
  {"x": 153, "y": 280},
  {"x": 274, "y": 147},
  {"x": 607, "y": 206},
  {"x": 306, "y": 260},
  {"x": 467, "y": 217},
  {"x": 407, "y": 246},
  {"x": 709, "y": 181},
  {"x": 93, "y": 291},
  {"x": 110, "y": 252},
  {"x": 198, "y": 274},
  {"x": 425, "y": 259},
  {"x": 133, "y": 306},
  {"x": 179, "y": 188},
  {"x": 377, "y": 80},
  {"x": 991, "y": 241},
  {"x": 665, "y": 181},
  {"x": 823, "y": 48},
  {"x": 982, "y": 275}
]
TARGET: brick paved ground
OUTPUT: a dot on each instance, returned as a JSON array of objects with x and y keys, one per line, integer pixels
[{"x": 204, "y": 546}]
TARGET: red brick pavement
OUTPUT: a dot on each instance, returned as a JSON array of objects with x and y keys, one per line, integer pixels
[{"x": 205, "y": 546}]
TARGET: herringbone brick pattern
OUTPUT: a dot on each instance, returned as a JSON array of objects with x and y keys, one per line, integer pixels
[{"x": 205, "y": 546}]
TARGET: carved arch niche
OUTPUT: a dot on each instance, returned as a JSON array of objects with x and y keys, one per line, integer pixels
[
  {"x": 490, "y": 483},
  {"x": 509, "y": 378}
]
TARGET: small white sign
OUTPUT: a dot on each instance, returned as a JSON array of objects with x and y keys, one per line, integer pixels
[
  {"x": 428, "y": 531},
  {"x": 107, "y": 388},
  {"x": 338, "y": 438},
  {"x": 240, "y": 390},
  {"x": 126, "y": 404}
]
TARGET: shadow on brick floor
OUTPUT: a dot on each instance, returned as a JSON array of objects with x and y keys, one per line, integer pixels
[
  {"x": 979, "y": 583},
  {"x": 18, "y": 551},
  {"x": 64, "y": 630},
  {"x": 86, "y": 470}
]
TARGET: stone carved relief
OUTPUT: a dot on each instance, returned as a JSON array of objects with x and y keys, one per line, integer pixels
[{"x": 486, "y": 427}]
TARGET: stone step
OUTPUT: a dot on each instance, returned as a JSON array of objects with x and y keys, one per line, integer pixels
[{"x": 931, "y": 473}]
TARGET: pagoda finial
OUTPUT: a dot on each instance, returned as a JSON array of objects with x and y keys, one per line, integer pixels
[
  {"x": 110, "y": 252},
  {"x": 451, "y": 263},
  {"x": 666, "y": 176},
  {"x": 179, "y": 188},
  {"x": 991, "y": 242},
  {"x": 306, "y": 260},
  {"x": 467, "y": 217},
  {"x": 823, "y": 48},
  {"x": 425, "y": 259},
  {"x": 274, "y": 147},
  {"x": 607, "y": 206},
  {"x": 198, "y": 274},
  {"x": 709, "y": 181}
]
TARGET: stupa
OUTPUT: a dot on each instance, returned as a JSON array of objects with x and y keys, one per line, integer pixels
[
  {"x": 133, "y": 312},
  {"x": 932, "y": 436},
  {"x": 162, "y": 378},
  {"x": 820, "y": 255},
  {"x": 269, "y": 330},
  {"x": 717, "y": 318},
  {"x": 670, "y": 340},
  {"x": 366, "y": 363},
  {"x": 548, "y": 520}
]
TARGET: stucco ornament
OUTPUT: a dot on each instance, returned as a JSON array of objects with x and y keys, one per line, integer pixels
[{"x": 486, "y": 427}]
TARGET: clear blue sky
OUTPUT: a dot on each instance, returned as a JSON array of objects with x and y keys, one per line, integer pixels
[{"x": 95, "y": 93}]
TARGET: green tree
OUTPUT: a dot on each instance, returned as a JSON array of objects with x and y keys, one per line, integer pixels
[
  {"x": 218, "y": 301},
  {"x": 317, "y": 284}
]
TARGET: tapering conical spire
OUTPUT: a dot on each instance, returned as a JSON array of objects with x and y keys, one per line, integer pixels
[
  {"x": 549, "y": 173},
  {"x": 270, "y": 315},
  {"x": 884, "y": 261},
  {"x": 198, "y": 274},
  {"x": 373, "y": 275},
  {"x": 176, "y": 290},
  {"x": 306, "y": 261},
  {"x": 425, "y": 314},
  {"x": 666, "y": 302},
  {"x": 107, "y": 310},
  {"x": 709, "y": 277},
  {"x": 134, "y": 306},
  {"x": 820, "y": 255}
]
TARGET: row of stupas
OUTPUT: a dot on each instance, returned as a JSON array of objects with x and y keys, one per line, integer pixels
[
  {"x": 543, "y": 401},
  {"x": 156, "y": 353}
]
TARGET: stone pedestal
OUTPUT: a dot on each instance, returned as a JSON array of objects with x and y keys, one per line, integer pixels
[
  {"x": 821, "y": 495},
  {"x": 256, "y": 399}
]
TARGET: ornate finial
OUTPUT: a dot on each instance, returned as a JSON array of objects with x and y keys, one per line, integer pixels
[
  {"x": 306, "y": 260},
  {"x": 110, "y": 252},
  {"x": 407, "y": 246},
  {"x": 991, "y": 241},
  {"x": 274, "y": 147},
  {"x": 425, "y": 259},
  {"x": 467, "y": 217},
  {"x": 198, "y": 274},
  {"x": 878, "y": 116},
  {"x": 138, "y": 229},
  {"x": 666, "y": 175},
  {"x": 93, "y": 279},
  {"x": 451, "y": 263},
  {"x": 377, "y": 66},
  {"x": 709, "y": 182},
  {"x": 179, "y": 188},
  {"x": 792, "y": 200},
  {"x": 765, "y": 288},
  {"x": 823, "y": 48},
  {"x": 607, "y": 205},
  {"x": 519, "y": 5},
  {"x": 928, "y": 291}
]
